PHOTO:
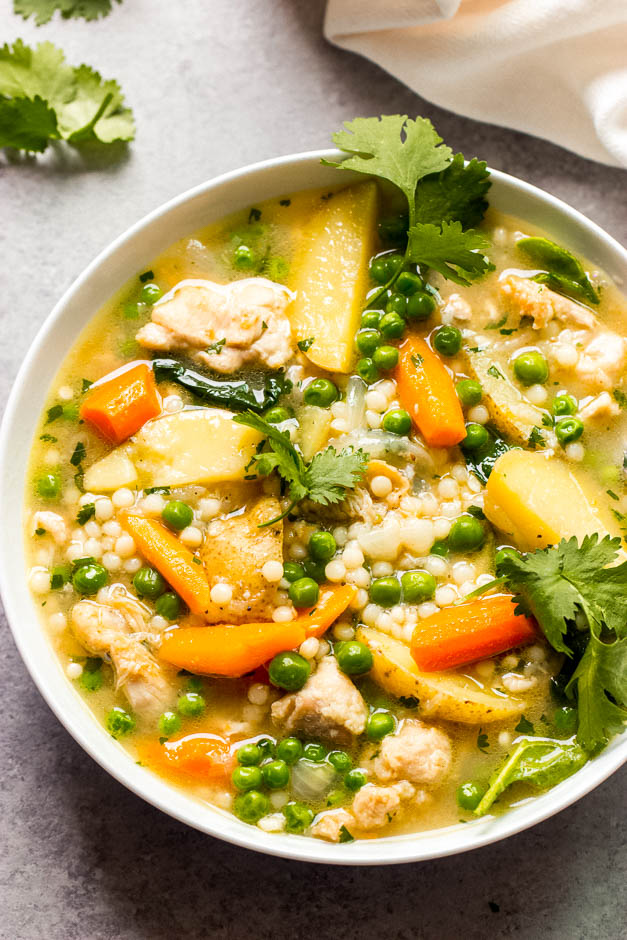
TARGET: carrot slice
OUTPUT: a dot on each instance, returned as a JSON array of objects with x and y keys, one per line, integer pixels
[
  {"x": 468, "y": 632},
  {"x": 426, "y": 391},
  {"x": 169, "y": 556},
  {"x": 333, "y": 601},
  {"x": 199, "y": 756},
  {"x": 229, "y": 651},
  {"x": 119, "y": 407}
]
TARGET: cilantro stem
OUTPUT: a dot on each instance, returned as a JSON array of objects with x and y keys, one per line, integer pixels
[
  {"x": 392, "y": 280},
  {"x": 481, "y": 590},
  {"x": 263, "y": 525}
]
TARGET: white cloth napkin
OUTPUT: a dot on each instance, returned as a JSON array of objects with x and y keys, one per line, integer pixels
[{"x": 554, "y": 68}]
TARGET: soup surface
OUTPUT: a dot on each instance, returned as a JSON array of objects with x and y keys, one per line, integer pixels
[{"x": 282, "y": 612}]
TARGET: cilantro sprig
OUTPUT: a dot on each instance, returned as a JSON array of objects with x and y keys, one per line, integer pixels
[
  {"x": 326, "y": 479},
  {"x": 44, "y": 10}
]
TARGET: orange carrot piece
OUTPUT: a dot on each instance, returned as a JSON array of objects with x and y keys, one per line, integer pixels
[
  {"x": 468, "y": 632},
  {"x": 200, "y": 756},
  {"x": 162, "y": 548},
  {"x": 426, "y": 391},
  {"x": 232, "y": 650},
  {"x": 333, "y": 601},
  {"x": 118, "y": 408}
]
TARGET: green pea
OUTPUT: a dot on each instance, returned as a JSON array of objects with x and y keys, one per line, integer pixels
[
  {"x": 168, "y": 605},
  {"x": 420, "y": 306},
  {"x": 397, "y": 303},
  {"x": 408, "y": 283},
  {"x": 277, "y": 415},
  {"x": 476, "y": 436},
  {"x": 564, "y": 404},
  {"x": 190, "y": 704},
  {"x": 298, "y": 817},
  {"x": 49, "y": 485},
  {"x": 531, "y": 368},
  {"x": 380, "y": 724},
  {"x": 393, "y": 229},
  {"x": 392, "y": 326},
  {"x": 367, "y": 341},
  {"x": 169, "y": 723},
  {"x": 292, "y": 571},
  {"x": 315, "y": 569},
  {"x": 289, "y": 671},
  {"x": 566, "y": 720},
  {"x": 353, "y": 658},
  {"x": 470, "y": 794},
  {"x": 367, "y": 370},
  {"x": 385, "y": 591},
  {"x": 276, "y": 774},
  {"x": 322, "y": 546},
  {"x": 379, "y": 270},
  {"x": 150, "y": 294},
  {"x": 396, "y": 421},
  {"x": 148, "y": 582},
  {"x": 267, "y": 748},
  {"x": 249, "y": 755},
  {"x": 119, "y": 722},
  {"x": 568, "y": 430},
  {"x": 469, "y": 392},
  {"x": 251, "y": 806},
  {"x": 289, "y": 750},
  {"x": 418, "y": 586},
  {"x": 88, "y": 579},
  {"x": 447, "y": 340},
  {"x": 314, "y": 752},
  {"x": 355, "y": 780},
  {"x": 370, "y": 319},
  {"x": 466, "y": 534},
  {"x": 177, "y": 515},
  {"x": 244, "y": 258},
  {"x": 503, "y": 553},
  {"x": 385, "y": 358},
  {"x": 304, "y": 592},
  {"x": 246, "y": 778},
  {"x": 321, "y": 392},
  {"x": 340, "y": 761}
]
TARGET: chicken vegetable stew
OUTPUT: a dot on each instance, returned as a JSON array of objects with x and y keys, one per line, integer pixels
[{"x": 327, "y": 507}]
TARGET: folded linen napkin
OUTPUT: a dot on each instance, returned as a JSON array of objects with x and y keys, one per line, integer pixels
[{"x": 553, "y": 68}]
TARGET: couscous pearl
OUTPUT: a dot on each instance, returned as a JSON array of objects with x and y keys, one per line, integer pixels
[
  {"x": 380, "y": 486},
  {"x": 339, "y": 424},
  {"x": 566, "y": 355},
  {"x": 57, "y": 622},
  {"x": 309, "y": 647},
  {"x": 427, "y": 609},
  {"x": 517, "y": 683},
  {"x": 509, "y": 662},
  {"x": 132, "y": 565},
  {"x": 123, "y": 498},
  {"x": 74, "y": 550},
  {"x": 52, "y": 457},
  {"x": 537, "y": 394},
  {"x": 382, "y": 569},
  {"x": 340, "y": 534},
  {"x": 92, "y": 529},
  {"x": 65, "y": 393},
  {"x": 448, "y": 488},
  {"x": 352, "y": 556},
  {"x": 463, "y": 571},
  {"x": 373, "y": 419},
  {"x": 411, "y": 504},
  {"x": 103, "y": 509},
  {"x": 397, "y": 613},
  {"x": 93, "y": 548},
  {"x": 153, "y": 503},
  {"x": 436, "y": 566},
  {"x": 282, "y": 598},
  {"x": 479, "y": 414},
  {"x": 86, "y": 499},
  {"x": 298, "y": 551},
  {"x": 485, "y": 668},
  {"x": 272, "y": 571},
  {"x": 159, "y": 623},
  {"x": 209, "y": 508},
  {"x": 124, "y": 546},
  {"x": 466, "y": 588},
  {"x": 338, "y": 409},
  {"x": 70, "y": 495},
  {"x": 408, "y": 631},
  {"x": 343, "y": 631},
  {"x": 335, "y": 570},
  {"x": 473, "y": 484},
  {"x": 536, "y": 654},
  {"x": 441, "y": 528},
  {"x": 370, "y": 614},
  {"x": 575, "y": 451},
  {"x": 39, "y": 580},
  {"x": 73, "y": 670},
  {"x": 44, "y": 556},
  {"x": 172, "y": 403},
  {"x": 484, "y": 579},
  {"x": 385, "y": 622},
  {"x": 360, "y": 577},
  {"x": 111, "y": 561},
  {"x": 376, "y": 400},
  {"x": 323, "y": 649},
  {"x": 387, "y": 388},
  {"x": 459, "y": 473},
  {"x": 259, "y": 693},
  {"x": 112, "y": 528},
  {"x": 429, "y": 504},
  {"x": 278, "y": 799},
  {"x": 273, "y": 822},
  {"x": 283, "y": 614},
  {"x": 221, "y": 593},
  {"x": 360, "y": 600},
  {"x": 505, "y": 738},
  {"x": 191, "y": 536},
  {"x": 445, "y": 596},
  {"x": 253, "y": 713},
  {"x": 451, "y": 509}
]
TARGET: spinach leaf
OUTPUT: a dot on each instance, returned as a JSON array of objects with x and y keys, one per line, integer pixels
[
  {"x": 235, "y": 395},
  {"x": 565, "y": 274},
  {"x": 481, "y": 461}
]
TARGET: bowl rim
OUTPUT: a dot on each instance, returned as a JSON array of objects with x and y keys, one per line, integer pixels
[{"x": 118, "y": 762}]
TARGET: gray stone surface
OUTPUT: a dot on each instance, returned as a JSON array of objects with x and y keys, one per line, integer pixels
[{"x": 216, "y": 85}]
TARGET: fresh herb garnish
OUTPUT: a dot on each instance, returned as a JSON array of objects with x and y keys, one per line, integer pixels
[
  {"x": 235, "y": 395},
  {"x": 49, "y": 438},
  {"x": 78, "y": 455},
  {"x": 417, "y": 359},
  {"x": 496, "y": 326},
  {"x": 164, "y": 490},
  {"x": 536, "y": 438},
  {"x": 620, "y": 398},
  {"x": 85, "y": 513},
  {"x": 482, "y": 741},
  {"x": 91, "y": 676},
  {"x": 409, "y": 701},
  {"x": 324, "y": 480},
  {"x": 216, "y": 347},
  {"x": 305, "y": 344},
  {"x": 44, "y": 10},
  {"x": 53, "y": 413},
  {"x": 524, "y": 726},
  {"x": 345, "y": 835},
  {"x": 481, "y": 461},
  {"x": 495, "y": 372},
  {"x": 254, "y": 215},
  {"x": 86, "y": 384}
]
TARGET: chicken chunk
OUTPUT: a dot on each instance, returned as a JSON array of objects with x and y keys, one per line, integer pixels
[
  {"x": 530, "y": 299},
  {"x": 234, "y": 552},
  {"x": 374, "y": 807},
  {"x": 602, "y": 361},
  {"x": 456, "y": 308},
  {"x": 328, "y": 706},
  {"x": 52, "y": 523},
  {"x": 223, "y": 326},
  {"x": 418, "y": 753},
  {"x": 601, "y": 406},
  {"x": 106, "y": 632},
  {"x": 329, "y": 825}
]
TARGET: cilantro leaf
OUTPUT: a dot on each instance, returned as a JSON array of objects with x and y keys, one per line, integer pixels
[
  {"x": 42, "y": 98},
  {"x": 393, "y": 147},
  {"x": 602, "y": 671},
  {"x": 330, "y": 474},
  {"x": 456, "y": 194},
  {"x": 457, "y": 255},
  {"x": 44, "y": 10},
  {"x": 524, "y": 726},
  {"x": 284, "y": 457}
]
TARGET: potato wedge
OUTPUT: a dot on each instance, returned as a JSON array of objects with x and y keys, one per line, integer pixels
[
  {"x": 313, "y": 433},
  {"x": 514, "y": 417},
  {"x": 447, "y": 695},
  {"x": 331, "y": 276},
  {"x": 111, "y": 472},
  {"x": 538, "y": 500}
]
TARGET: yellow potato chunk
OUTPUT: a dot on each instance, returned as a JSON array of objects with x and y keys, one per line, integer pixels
[
  {"x": 538, "y": 500},
  {"x": 331, "y": 276},
  {"x": 448, "y": 695},
  {"x": 111, "y": 472},
  {"x": 513, "y": 415},
  {"x": 314, "y": 427}
]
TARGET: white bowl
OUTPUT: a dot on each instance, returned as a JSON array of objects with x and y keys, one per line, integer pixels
[{"x": 130, "y": 253}]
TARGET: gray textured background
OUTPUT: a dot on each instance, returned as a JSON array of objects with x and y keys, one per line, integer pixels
[{"x": 215, "y": 85}]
